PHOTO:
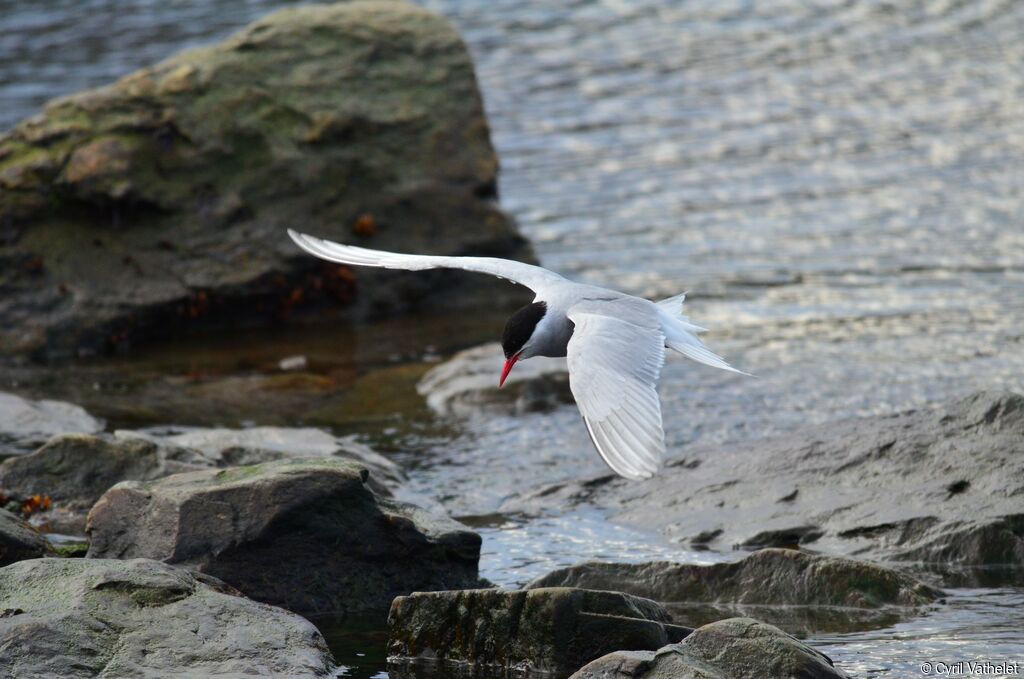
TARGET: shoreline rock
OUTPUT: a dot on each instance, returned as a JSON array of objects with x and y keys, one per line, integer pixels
[
  {"x": 552, "y": 631},
  {"x": 225, "y": 447},
  {"x": 770, "y": 576},
  {"x": 82, "y": 618},
  {"x": 308, "y": 535},
  {"x": 737, "y": 648},
  {"x": 19, "y": 540},
  {"x": 465, "y": 383},
  {"x": 75, "y": 470},
  {"x": 158, "y": 204},
  {"x": 889, "y": 489},
  {"x": 25, "y": 425},
  {"x": 804, "y": 594}
]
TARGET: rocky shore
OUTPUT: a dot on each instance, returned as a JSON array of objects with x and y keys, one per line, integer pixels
[
  {"x": 155, "y": 207},
  {"x": 295, "y": 520},
  {"x": 936, "y": 489}
]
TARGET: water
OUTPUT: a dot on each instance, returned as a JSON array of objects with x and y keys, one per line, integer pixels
[{"x": 837, "y": 184}]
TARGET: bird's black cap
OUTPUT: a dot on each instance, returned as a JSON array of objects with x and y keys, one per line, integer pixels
[{"x": 520, "y": 327}]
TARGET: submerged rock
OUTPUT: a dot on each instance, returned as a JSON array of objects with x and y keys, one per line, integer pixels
[
  {"x": 308, "y": 535},
  {"x": 25, "y": 425},
  {"x": 19, "y": 540},
  {"x": 935, "y": 486},
  {"x": 552, "y": 630},
  {"x": 468, "y": 382},
  {"x": 737, "y": 648},
  {"x": 802, "y": 593},
  {"x": 783, "y": 577},
  {"x": 158, "y": 203},
  {"x": 84, "y": 618}
]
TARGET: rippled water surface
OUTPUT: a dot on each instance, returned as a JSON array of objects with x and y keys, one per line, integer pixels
[{"x": 837, "y": 184}]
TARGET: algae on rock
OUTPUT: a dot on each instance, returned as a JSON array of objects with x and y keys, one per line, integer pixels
[{"x": 160, "y": 201}]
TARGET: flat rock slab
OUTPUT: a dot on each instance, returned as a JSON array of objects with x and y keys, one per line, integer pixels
[
  {"x": 467, "y": 383},
  {"x": 19, "y": 540},
  {"x": 158, "y": 204},
  {"x": 308, "y": 535},
  {"x": 938, "y": 487},
  {"x": 737, "y": 648},
  {"x": 84, "y": 618},
  {"x": 550, "y": 630},
  {"x": 770, "y": 576},
  {"x": 25, "y": 424},
  {"x": 802, "y": 593}
]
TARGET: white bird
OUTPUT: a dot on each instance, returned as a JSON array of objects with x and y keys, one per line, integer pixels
[{"x": 614, "y": 343}]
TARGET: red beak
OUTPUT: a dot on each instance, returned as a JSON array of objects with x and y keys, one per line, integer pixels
[{"x": 506, "y": 369}]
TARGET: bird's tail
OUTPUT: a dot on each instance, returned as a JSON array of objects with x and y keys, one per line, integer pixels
[{"x": 681, "y": 335}]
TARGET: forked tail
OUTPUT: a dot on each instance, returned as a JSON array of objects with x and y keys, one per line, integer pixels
[{"x": 681, "y": 335}]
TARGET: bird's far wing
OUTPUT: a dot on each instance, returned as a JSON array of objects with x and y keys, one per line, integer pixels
[
  {"x": 615, "y": 357},
  {"x": 533, "y": 277}
]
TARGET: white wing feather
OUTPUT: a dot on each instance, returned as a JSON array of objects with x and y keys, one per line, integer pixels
[
  {"x": 533, "y": 277},
  {"x": 615, "y": 358}
]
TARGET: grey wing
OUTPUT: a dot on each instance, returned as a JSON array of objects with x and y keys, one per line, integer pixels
[
  {"x": 533, "y": 277},
  {"x": 615, "y": 357}
]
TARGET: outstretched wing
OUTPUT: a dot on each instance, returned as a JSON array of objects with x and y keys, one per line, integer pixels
[
  {"x": 615, "y": 358},
  {"x": 533, "y": 277}
]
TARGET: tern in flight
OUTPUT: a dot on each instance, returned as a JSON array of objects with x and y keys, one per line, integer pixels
[{"x": 614, "y": 345}]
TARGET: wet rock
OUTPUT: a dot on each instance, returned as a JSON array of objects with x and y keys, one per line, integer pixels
[
  {"x": 74, "y": 470},
  {"x": 553, "y": 630},
  {"x": 158, "y": 204},
  {"x": 308, "y": 535},
  {"x": 468, "y": 382},
  {"x": 802, "y": 593},
  {"x": 737, "y": 648},
  {"x": 83, "y": 618},
  {"x": 19, "y": 540},
  {"x": 876, "y": 487},
  {"x": 25, "y": 425},
  {"x": 771, "y": 576},
  {"x": 239, "y": 447}
]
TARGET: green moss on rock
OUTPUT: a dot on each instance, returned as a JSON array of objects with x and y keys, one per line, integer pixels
[{"x": 181, "y": 178}]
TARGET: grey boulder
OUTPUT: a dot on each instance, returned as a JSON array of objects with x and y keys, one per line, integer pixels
[
  {"x": 308, "y": 535},
  {"x": 737, "y": 648},
  {"x": 19, "y": 540},
  {"x": 74, "y": 470},
  {"x": 25, "y": 424},
  {"x": 239, "y": 447},
  {"x": 552, "y": 631},
  {"x": 139, "y": 619}
]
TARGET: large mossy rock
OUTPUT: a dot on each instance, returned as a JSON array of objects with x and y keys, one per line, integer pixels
[
  {"x": 938, "y": 487},
  {"x": 160, "y": 202},
  {"x": 19, "y": 540},
  {"x": 85, "y": 618},
  {"x": 308, "y": 535},
  {"x": 737, "y": 648},
  {"x": 782, "y": 577},
  {"x": 552, "y": 630}
]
